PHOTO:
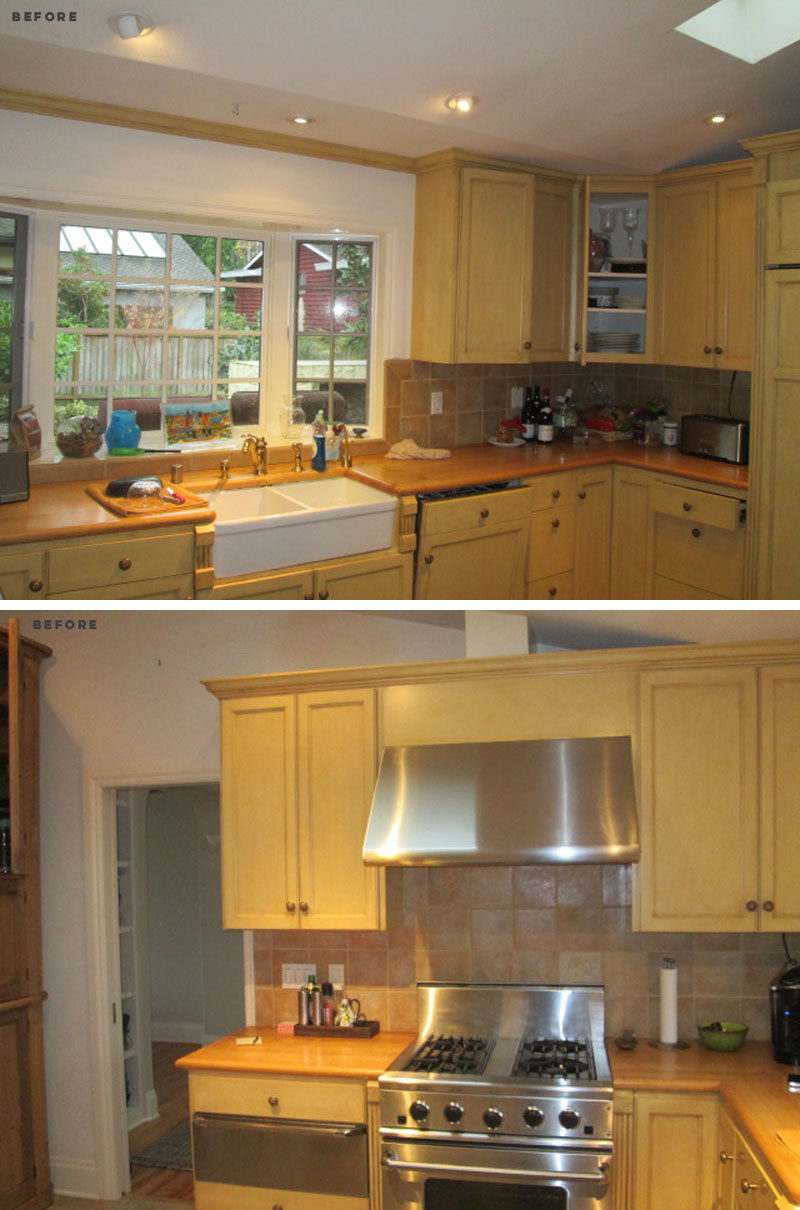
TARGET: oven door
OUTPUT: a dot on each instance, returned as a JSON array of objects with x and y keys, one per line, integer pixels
[{"x": 465, "y": 1176}]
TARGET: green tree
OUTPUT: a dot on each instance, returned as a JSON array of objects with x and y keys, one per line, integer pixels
[{"x": 82, "y": 303}]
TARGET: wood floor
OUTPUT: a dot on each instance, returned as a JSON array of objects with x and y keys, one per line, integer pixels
[{"x": 172, "y": 1089}]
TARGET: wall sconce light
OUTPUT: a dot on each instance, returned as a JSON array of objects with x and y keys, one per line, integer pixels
[
  {"x": 131, "y": 25},
  {"x": 463, "y": 102}
]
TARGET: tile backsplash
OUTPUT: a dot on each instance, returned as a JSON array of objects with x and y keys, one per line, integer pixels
[
  {"x": 477, "y": 397},
  {"x": 530, "y": 924}
]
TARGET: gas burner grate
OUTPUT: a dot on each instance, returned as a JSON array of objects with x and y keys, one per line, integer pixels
[
  {"x": 450, "y": 1054},
  {"x": 555, "y": 1059}
]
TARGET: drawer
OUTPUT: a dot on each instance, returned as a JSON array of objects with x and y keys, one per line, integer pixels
[
  {"x": 119, "y": 561},
  {"x": 664, "y": 589},
  {"x": 211, "y": 1195},
  {"x": 548, "y": 490},
  {"x": 166, "y": 588},
  {"x": 295, "y": 1097},
  {"x": 551, "y": 542},
  {"x": 710, "y": 508},
  {"x": 551, "y": 588},
  {"x": 701, "y": 556},
  {"x": 474, "y": 512}
]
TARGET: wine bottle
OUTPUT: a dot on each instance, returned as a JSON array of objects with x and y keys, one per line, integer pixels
[
  {"x": 528, "y": 416},
  {"x": 544, "y": 420}
]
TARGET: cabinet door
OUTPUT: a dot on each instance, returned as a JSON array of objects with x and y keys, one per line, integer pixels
[
  {"x": 269, "y": 586},
  {"x": 336, "y": 780},
  {"x": 698, "y": 800},
  {"x": 373, "y": 578},
  {"x": 685, "y": 257},
  {"x": 727, "y": 1143},
  {"x": 783, "y": 223},
  {"x": 258, "y": 813},
  {"x": 22, "y": 575},
  {"x": 780, "y": 777},
  {"x": 629, "y": 535},
  {"x": 753, "y": 1191},
  {"x": 736, "y": 278},
  {"x": 552, "y": 270},
  {"x": 17, "y": 1158},
  {"x": 551, "y": 542},
  {"x": 165, "y": 588},
  {"x": 593, "y": 535},
  {"x": 495, "y": 266},
  {"x": 486, "y": 564},
  {"x": 675, "y": 1142}
]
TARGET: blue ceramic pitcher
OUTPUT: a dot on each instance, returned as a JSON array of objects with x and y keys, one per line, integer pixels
[{"x": 123, "y": 432}]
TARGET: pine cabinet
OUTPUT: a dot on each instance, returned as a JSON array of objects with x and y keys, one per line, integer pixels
[
  {"x": 24, "y": 1164},
  {"x": 473, "y": 548},
  {"x": 675, "y": 1139},
  {"x": 22, "y": 574},
  {"x": 718, "y": 777},
  {"x": 492, "y": 263},
  {"x": 385, "y": 576},
  {"x": 705, "y": 269},
  {"x": 551, "y": 538},
  {"x": 593, "y": 529},
  {"x": 742, "y": 1181},
  {"x": 298, "y": 773}
]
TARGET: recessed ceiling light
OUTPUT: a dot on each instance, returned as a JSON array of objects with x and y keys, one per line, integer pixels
[
  {"x": 300, "y": 119},
  {"x": 131, "y": 25},
  {"x": 462, "y": 102},
  {"x": 716, "y": 119}
]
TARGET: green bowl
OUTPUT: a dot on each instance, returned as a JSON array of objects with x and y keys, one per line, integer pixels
[{"x": 722, "y": 1035}]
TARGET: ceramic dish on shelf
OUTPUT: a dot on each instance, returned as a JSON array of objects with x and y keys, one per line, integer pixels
[{"x": 504, "y": 445}]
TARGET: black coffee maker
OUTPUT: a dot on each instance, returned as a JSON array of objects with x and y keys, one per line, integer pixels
[{"x": 784, "y": 1003}]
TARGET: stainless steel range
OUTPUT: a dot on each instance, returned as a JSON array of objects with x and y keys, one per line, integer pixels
[{"x": 504, "y": 1101}]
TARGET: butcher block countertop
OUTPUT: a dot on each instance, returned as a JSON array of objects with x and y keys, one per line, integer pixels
[
  {"x": 283, "y": 1054},
  {"x": 751, "y": 1084}
]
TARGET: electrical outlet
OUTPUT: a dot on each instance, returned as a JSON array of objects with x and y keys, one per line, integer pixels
[
  {"x": 336, "y": 974},
  {"x": 437, "y": 403},
  {"x": 295, "y": 974},
  {"x": 517, "y": 396}
]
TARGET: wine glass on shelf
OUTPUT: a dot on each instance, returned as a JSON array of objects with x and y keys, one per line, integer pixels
[
  {"x": 630, "y": 223},
  {"x": 608, "y": 224}
]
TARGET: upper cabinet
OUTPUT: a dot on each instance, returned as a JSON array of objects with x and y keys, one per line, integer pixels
[
  {"x": 705, "y": 268},
  {"x": 492, "y": 264},
  {"x": 616, "y": 284}
]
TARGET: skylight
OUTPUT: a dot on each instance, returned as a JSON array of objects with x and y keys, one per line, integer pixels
[{"x": 747, "y": 29}]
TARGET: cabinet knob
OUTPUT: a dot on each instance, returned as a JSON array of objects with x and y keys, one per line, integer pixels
[
  {"x": 428, "y": 559},
  {"x": 696, "y": 533},
  {"x": 686, "y": 506},
  {"x": 484, "y": 513},
  {"x": 577, "y": 347},
  {"x": 556, "y": 493},
  {"x": 718, "y": 349},
  {"x": 724, "y": 1158},
  {"x": 749, "y": 1186},
  {"x": 35, "y": 586},
  {"x": 751, "y": 905},
  {"x": 706, "y": 348},
  {"x": 323, "y": 596},
  {"x": 125, "y": 564},
  {"x": 768, "y": 905},
  {"x": 555, "y": 524},
  {"x": 552, "y": 592},
  {"x": 303, "y": 907},
  {"x": 581, "y": 495},
  {"x": 308, "y": 596},
  {"x": 527, "y": 344},
  {"x": 274, "y": 1102},
  {"x": 291, "y": 907}
]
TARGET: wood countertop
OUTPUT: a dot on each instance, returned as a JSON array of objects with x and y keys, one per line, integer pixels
[
  {"x": 283, "y": 1054},
  {"x": 751, "y": 1084}
]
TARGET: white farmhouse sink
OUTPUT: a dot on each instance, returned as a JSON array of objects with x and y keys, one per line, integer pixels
[{"x": 261, "y": 528}]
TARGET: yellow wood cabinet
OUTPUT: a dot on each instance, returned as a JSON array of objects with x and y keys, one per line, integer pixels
[
  {"x": 593, "y": 529},
  {"x": 384, "y": 576},
  {"x": 551, "y": 537},
  {"x": 473, "y": 548},
  {"x": 705, "y": 270},
  {"x": 492, "y": 263},
  {"x": 298, "y": 772},
  {"x": 783, "y": 223},
  {"x": 629, "y": 576},
  {"x": 22, "y": 573},
  {"x": 278, "y": 1099},
  {"x": 719, "y": 849},
  {"x": 675, "y": 1139},
  {"x": 728, "y": 1152}
]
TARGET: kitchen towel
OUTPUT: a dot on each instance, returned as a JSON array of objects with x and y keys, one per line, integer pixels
[
  {"x": 408, "y": 448},
  {"x": 668, "y": 1017}
]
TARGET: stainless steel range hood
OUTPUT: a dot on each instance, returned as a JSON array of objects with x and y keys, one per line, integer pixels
[{"x": 515, "y": 802}]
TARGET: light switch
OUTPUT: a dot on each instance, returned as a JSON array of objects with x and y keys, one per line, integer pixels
[
  {"x": 295, "y": 974},
  {"x": 437, "y": 403},
  {"x": 336, "y": 974}
]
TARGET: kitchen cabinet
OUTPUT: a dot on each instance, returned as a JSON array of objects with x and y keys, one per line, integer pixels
[
  {"x": 24, "y": 1163},
  {"x": 616, "y": 284},
  {"x": 298, "y": 772},
  {"x": 728, "y": 1154},
  {"x": 22, "y": 573},
  {"x": 705, "y": 262},
  {"x": 697, "y": 542},
  {"x": 492, "y": 262},
  {"x": 719, "y": 848},
  {"x": 675, "y": 1137},
  {"x": 473, "y": 547},
  {"x": 385, "y": 576},
  {"x": 551, "y": 537},
  {"x": 593, "y": 529},
  {"x": 742, "y": 1179},
  {"x": 631, "y": 494}
]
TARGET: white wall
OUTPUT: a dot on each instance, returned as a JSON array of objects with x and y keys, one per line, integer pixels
[{"x": 124, "y": 701}]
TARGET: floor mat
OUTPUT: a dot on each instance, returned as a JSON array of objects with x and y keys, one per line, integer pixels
[{"x": 172, "y": 1151}]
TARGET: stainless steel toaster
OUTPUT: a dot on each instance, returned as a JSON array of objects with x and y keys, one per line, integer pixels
[{"x": 719, "y": 437}]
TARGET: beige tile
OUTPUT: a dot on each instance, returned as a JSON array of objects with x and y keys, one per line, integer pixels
[
  {"x": 534, "y": 886},
  {"x": 535, "y": 966},
  {"x": 469, "y": 394},
  {"x": 490, "y": 886},
  {"x": 448, "y": 885},
  {"x": 625, "y": 975},
  {"x": 616, "y": 883},
  {"x": 494, "y": 965},
  {"x": 415, "y": 399},
  {"x": 448, "y": 928},
  {"x": 491, "y": 928},
  {"x": 580, "y": 886},
  {"x": 469, "y": 428},
  {"x": 535, "y": 929},
  {"x": 580, "y": 967},
  {"x": 402, "y": 1011}
]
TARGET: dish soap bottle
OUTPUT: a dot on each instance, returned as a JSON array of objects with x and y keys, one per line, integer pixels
[{"x": 319, "y": 431}]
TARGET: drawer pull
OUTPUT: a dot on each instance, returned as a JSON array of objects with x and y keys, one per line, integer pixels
[
  {"x": 308, "y": 596},
  {"x": 527, "y": 344},
  {"x": 687, "y": 508},
  {"x": 696, "y": 533},
  {"x": 718, "y": 349},
  {"x": 556, "y": 493},
  {"x": 751, "y": 905},
  {"x": 428, "y": 559},
  {"x": 581, "y": 495},
  {"x": 724, "y": 1158},
  {"x": 125, "y": 564},
  {"x": 706, "y": 348},
  {"x": 35, "y": 586},
  {"x": 552, "y": 592},
  {"x": 484, "y": 513},
  {"x": 291, "y": 907},
  {"x": 274, "y": 1102},
  {"x": 555, "y": 524},
  {"x": 768, "y": 905},
  {"x": 750, "y": 1186},
  {"x": 323, "y": 596},
  {"x": 303, "y": 907}
]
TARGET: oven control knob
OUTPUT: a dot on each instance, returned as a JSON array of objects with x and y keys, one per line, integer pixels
[
  {"x": 569, "y": 1119},
  {"x": 493, "y": 1118},
  {"x": 454, "y": 1112},
  {"x": 419, "y": 1111},
  {"x": 533, "y": 1117}
]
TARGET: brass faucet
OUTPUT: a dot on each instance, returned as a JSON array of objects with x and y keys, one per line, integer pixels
[
  {"x": 224, "y": 469},
  {"x": 256, "y": 449},
  {"x": 345, "y": 457},
  {"x": 297, "y": 450}
]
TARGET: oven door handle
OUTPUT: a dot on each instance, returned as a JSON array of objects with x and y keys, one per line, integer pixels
[{"x": 391, "y": 1161}]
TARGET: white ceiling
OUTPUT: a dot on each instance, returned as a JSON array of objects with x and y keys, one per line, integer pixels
[{"x": 578, "y": 84}]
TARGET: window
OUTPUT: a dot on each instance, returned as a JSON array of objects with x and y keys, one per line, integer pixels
[
  {"x": 150, "y": 317},
  {"x": 13, "y": 249},
  {"x": 333, "y": 312}
]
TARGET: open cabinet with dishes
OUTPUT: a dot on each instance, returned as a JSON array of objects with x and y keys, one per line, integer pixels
[
  {"x": 24, "y": 1166},
  {"x": 616, "y": 301}
]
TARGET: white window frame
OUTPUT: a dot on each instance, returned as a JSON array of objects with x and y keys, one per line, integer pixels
[{"x": 276, "y": 369}]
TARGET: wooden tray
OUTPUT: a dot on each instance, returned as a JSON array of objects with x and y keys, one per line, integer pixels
[
  {"x": 366, "y": 1029},
  {"x": 149, "y": 505}
]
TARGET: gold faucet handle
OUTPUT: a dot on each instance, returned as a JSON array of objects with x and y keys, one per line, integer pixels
[
  {"x": 297, "y": 450},
  {"x": 224, "y": 468}
]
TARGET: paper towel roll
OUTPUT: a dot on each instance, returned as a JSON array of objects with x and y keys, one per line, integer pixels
[{"x": 668, "y": 1031}]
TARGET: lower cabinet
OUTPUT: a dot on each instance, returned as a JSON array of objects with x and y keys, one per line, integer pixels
[
  {"x": 742, "y": 1181},
  {"x": 473, "y": 548},
  {"x": 675, "y": 1140},
  {"x": 569, "y": 543},
  {"x": 385, "y": 576},
  {"x": 22, "y": 574}
]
